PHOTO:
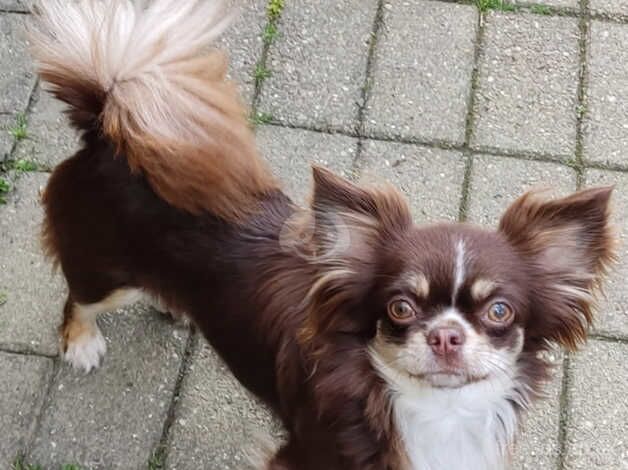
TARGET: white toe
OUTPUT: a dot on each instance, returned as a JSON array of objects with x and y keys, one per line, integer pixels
[{"x": 86, "y": 352}]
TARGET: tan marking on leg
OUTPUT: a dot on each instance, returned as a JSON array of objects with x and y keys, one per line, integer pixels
[{"x": 82, "y": 343}]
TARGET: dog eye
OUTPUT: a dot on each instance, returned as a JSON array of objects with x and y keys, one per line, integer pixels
[
  {"x": 500, "y": 312},
  {"x": 401, "y": 311}
]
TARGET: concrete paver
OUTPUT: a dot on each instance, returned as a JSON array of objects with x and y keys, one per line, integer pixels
[
  {"x": 431, "y": 179},
  {"x": 598, "y": 410},
  {"x": 50, "y": 138},
  {"x": 422, "y": 71},
  {"x": 291, "y": 153},
  {"x": 606, "y": 119},
  {"x": 22, "y": 391},
  {"x": 34, "y": 295},
  {"x": 16, "y": 76},
  {"x": 217, "y": 422},
  {"x": 613, "y": 7},
  {"x": 538, "y": 447},
  {"x": 498, "y": 181},
  {"x": 528, "y": 78},
  {"x": 243, "y": 42},
  {"x": 613, "y": 311},
  {"x": 112, "y": 418},
  {"x": 317, "y": 63}
]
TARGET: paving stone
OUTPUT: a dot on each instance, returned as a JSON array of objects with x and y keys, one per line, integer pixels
[
  {"x": 498, "y": 181},
  {"x": 598, "y": 410},
  {"x": 15, "y": 5},
  {"x": 243, "y": 41},
  {"x": 613, "y": 311},
  {"x": 16, "y": 76},
  {"x": 318, "y": 63},
  {"x": 291, "y": 153},
  {"x": 573, "y": 4},
  {"x": 422, "y": 92},
  {"x": 16, "y": 71},
  {"x": 527, "y": 92},
  {"x": 538, "y": 447},
  {"x": 217, "y": 421},
  {"x": 50, "y": 138},
  {"x": 35, "y": 295},
  {"x": 606, "y": 119},
  {"x": 609, "y": 6},
  {"x": 430, "y": 178},
  {"x": 112, "y": 418},
  {"x": 22, "y": 392}
]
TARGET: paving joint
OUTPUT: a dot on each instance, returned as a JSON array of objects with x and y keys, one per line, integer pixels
[
  {"x": 378, "y": 23},
  {"x": 56, "y": 366},
  {"x": 160, "y": 452},
  {"x": 24, "y": 350}
]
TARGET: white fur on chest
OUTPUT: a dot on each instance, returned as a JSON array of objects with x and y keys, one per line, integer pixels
[{"x": 470, "y": 428}]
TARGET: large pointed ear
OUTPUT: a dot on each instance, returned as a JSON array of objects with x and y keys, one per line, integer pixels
[
  {"x": 568, "y": 245},
  {"x": 343, "y": 209},
  {"x": 350, "y": 225}
]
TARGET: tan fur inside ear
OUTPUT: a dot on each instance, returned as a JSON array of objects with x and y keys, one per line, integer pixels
[{"x": 569, "y": 245}]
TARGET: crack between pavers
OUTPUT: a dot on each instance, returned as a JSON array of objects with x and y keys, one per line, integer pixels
[
  {"x": 469, "y": 122},
  {"x": 27, "y": 112},
  {"x": 45, "y": 403},
  {"x": 564, "y": 418},
  {"x": 14, "y": 12},
  {"x": 191, "y": 345},
  {"x": 608, "y": 337},
  {"x": 24, "y": 350},
  {"x": 378, "y": 24}
]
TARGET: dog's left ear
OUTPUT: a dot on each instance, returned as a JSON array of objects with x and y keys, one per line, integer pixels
[{"x": 568, "y": 245}]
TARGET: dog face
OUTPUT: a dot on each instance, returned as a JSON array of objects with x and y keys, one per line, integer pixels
[{"x": 450, "y": 305}]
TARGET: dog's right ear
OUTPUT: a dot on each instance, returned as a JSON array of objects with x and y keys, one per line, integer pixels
[
  {"x": 349, "y": 225},
  {"x": 342, "y": 209}
]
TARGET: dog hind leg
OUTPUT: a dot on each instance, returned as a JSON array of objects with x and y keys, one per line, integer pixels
[{"x": 82, "y": 343}]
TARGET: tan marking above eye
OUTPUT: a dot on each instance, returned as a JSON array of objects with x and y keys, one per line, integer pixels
[
  {"x": 482, "y": 288},
  {"x": 418, "y": 283}
]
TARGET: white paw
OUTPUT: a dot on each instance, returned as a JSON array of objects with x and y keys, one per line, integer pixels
[{"x": 86, "y": 351}]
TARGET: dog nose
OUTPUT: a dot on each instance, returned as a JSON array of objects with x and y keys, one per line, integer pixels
[{"x": 445, "y": 341}]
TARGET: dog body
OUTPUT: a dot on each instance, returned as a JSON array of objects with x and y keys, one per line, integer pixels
[{"x": 379, "y": 344}]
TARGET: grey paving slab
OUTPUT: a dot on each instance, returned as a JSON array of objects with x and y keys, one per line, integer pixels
[
  {"x": 291, "y": 153},
  {"x": 318, "y": 63},
  {"x": 609, "y": 6},
  {"x": 598, "y": 410},
  {"x": 22, "y": 391},
  {"x": 217, "y": 421},
  {"x": 16, "y": 71},
  {"x": 431, "y": 179},
  {"x": 527, "y": 91},
  {"x": 537, "y": 446},
  {"x": 422, "y": 71},
  {"x": 243, "y": 41},
  {"x": 50, "y": 138},
  {"x": 573, "y": 4},
  {"x": 613, "y": 310},
  {"x": 34, "y": 295},
  {"x": 498, "y": 181},
  {"x": 113, "y": 418},
  {"x": 6, "y": 139},
  {"x": 606, "y": 118},
  {"x": 15, "y": 5}
]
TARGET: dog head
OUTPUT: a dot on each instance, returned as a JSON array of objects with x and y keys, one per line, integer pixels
[{"x": 453, "y": 304}]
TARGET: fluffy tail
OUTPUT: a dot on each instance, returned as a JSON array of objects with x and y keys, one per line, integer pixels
[{"x": 142, "y": 75}]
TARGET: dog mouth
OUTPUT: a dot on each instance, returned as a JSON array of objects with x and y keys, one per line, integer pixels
[{"x": 448, "y": 378}]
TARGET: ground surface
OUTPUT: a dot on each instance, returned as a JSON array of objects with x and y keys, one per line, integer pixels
[{"x": 461, "y": 109}]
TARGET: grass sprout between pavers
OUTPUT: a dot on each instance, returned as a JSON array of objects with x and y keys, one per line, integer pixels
[
  {"x": 274, "y": 8},
  {"x": 5, "y": 187},
  {"x": 500, "y": 5},
  {"x": 20, "y": 130},
  {"x": 19, "y": 464}
]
